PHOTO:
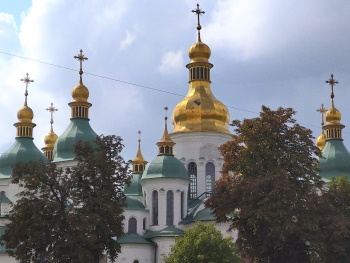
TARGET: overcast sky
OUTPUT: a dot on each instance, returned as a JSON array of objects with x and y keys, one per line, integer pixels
[{"x": 271, "y": 52}]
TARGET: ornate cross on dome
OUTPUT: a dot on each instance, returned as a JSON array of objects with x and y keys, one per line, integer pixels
[
  {"x": 27, "y": 81},
  {"x": 198, "y": 12},
  {"x": 332, "y": 82},
  {"x": 81, "y": 58},
  {"x": 322, "y": 110},
  {"x": 51, "y": 109}
]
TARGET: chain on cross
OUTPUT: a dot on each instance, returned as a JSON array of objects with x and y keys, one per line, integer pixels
[
  {"x": 198, "y": 12},
  {"x": 51, "y": 109},
  {"x": 322, "y": 110},
  {"x": 27, "y": 81},
  {"x": 81, "y": 58},
  {"x": 332, "y": 82}
]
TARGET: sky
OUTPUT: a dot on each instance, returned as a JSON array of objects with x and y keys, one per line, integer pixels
[{"x": 272, "y": 52}]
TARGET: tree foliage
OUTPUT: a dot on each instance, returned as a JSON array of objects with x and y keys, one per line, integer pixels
[
  {"x": 70, "y": 214},
  {"x": 272, "y": 194},
  {"x": 202, "y": 244}
]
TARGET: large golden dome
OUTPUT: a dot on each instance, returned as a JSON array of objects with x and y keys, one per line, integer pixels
[
  {"x": 80, "y": 93},
  {"x": 25, "y": 114},
  {"x": 333, "y": 116}
]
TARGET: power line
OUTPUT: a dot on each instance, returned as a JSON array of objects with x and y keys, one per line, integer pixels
[{"x": 125, "y": 82}]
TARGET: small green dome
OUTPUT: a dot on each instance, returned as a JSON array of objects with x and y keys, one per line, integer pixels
[
  {"x": 135, "y": 187},
  {"x": 165, "y": 166},
  {"x": 335, "y": 161},
  {"x": 134, "y": 204},
  {"x": 22, "y": 151},
  {"x": 79, "y": 129}
]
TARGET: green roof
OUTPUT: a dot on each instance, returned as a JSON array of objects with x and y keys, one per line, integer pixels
[
  {"x": 165, "y": 166},
  {"x": 22, "y": 151},
  {"x": 205, "y": 214},
  {"x": 79, "y": 130},
  {"x": 169, "y": 231},
  {"x": 134, "y": 204},
  {"x": 134, "y": 239},
  {"x": 335, "y": 161},
  {"x": 135, "y": 187}
]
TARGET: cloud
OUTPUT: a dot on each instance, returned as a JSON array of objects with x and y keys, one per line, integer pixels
[
  {"x": 128, "y": 40},
  {"x": 171, "y": 60}
]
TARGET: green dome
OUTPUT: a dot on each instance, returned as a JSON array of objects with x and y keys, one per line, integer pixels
[
  {"x": 165, "y": 166},
  {"x": 134, "y": 204},
  {"x": 22, "y": 151},
  {"x": 135, "y": 187},
  {"x": 79, "y": 129},
  {"x": 335, "y": 161}
]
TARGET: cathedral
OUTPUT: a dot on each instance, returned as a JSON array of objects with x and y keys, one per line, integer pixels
[{"x": 166, "y": 195}]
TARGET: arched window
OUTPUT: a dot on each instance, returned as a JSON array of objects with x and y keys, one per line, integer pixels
[
  {"x": 170, "y": 208},
  {"x": 136, "y": 261},
  {"x": 209, "y": 178},
  {"x": 182, "y": 205},
  {"x": 144, "y": 224},
  {"x": 155, "y": 207},
  {"x": 192, "y": 173},
  {"x": 132, "y": 226}
]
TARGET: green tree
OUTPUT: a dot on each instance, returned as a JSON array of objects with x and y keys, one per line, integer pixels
[
  {"x": 70, "y": 214},
  {"x": 271, "y": 192},
  {"x": 202, "y": 244}
]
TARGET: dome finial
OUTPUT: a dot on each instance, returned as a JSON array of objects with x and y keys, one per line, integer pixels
[
  {"x": 27, "y": 81},
  {"x": 139, "y": 163},
  {"x": 321, "y": 140},
  {"x": 332, "y": 82},
  {"x": 81, "y": 58},
  {"x": 198, "y": 12},
  {"x": 51, "y": 137},
  {"x": 165, "y": 144}
]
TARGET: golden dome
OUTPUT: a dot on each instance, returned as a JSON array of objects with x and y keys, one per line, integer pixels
[
  {"x": 321, "y": 141},
  {"x": 50, "y": 139},
  {"x": 25, "y": 114},
  {"x": 333, "y": 116},
  {"x": 199, "y": 52},
  {"x": 80, "y": 93}
]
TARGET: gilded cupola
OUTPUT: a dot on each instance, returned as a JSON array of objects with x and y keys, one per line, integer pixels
[
  {"x": 25, "y": 115},
  {"x": 321, "y": 140},
  {"x": 80, "y": 94},
  {"x": 165, "y": 144},
  {"x": 200, "y": 111},
  {"x": 139, "y": 163},
  {"x": 333, "y": 126},
  {"x": 51, "y": 137}
]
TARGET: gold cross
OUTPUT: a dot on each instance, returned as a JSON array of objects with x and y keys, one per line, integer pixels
[
  {"x": 198, "y": 12},
  {"x": 322, "y": 110},
  {"x": 332, "y": 82},
  {"x": 81, "y": 58},
  {"x": 27, "y": 81},
  {"x": 51, "y": 109}
]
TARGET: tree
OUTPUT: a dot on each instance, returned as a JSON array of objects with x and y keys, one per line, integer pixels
[
  {"x": 202, "y": 244},
  {"x": 271, "y": 193},
  {"x": 70, "y": 214}
]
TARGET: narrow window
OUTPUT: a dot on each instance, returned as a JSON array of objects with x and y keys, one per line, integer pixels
[
  {"x": 182, "y": 205},
  {"x": 136, "y": 261},
  {"x": 166, "y": 149},
  {"x": 209, "y": 178},
  {"x": 192, "y": 173},
  {"x": 170, "y": 208},
  {"x": 155, "y": 207},
  {"x": 132, "y": 227},
  {"x": 144, "y": 224}
]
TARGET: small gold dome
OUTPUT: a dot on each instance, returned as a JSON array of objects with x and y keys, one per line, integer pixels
[
  {"x": 80, "y": 93},
  {"x": 50, "y": 139},
  {"x": 25, "y": 114},
  {"x": 199, "y": 52},
  {"x": 333, "y": 116},
  {"x": 321, "y": 141}
]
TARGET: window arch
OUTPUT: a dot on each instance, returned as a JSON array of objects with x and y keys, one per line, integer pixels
[
  {"x": 136, "y": 261},
  {"x": 155, "y": 207},
  {"x": 209, "y": 178},
  {"x": 192, "y": 174},
  {"x": 170, "y": 208},
  {"x": 132, "y": 226}
]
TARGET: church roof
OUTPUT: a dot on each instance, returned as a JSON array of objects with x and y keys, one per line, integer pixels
[
  {"x": 22, "y": 151},
  {"x": 165, "y": 166},
  {"x": 134, "y": 239},
  {"x": 134, "y": 204},
  {"x": 135, "y": 188},
  {"x": 170, "y": 231}
]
